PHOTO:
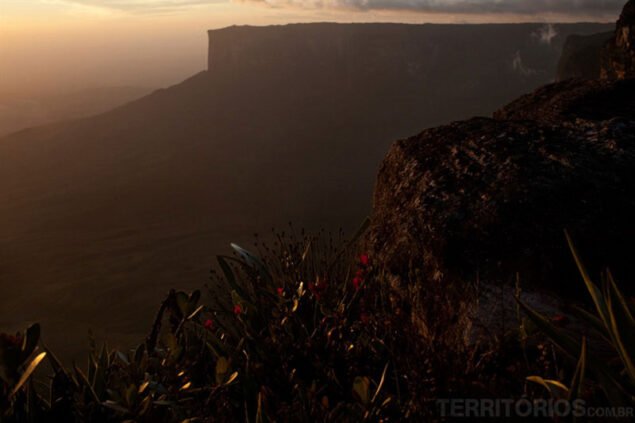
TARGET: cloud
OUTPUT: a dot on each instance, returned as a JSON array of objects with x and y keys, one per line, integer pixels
[
  {"x": 523, "y": 7},
  {"x": 145, "y": 5},
  {"x": 546, "y": 34},
  {"x": 519, "y": 7},
  {"x": 519, "y": 66}
]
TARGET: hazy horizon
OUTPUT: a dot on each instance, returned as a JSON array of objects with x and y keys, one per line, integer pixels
[{"x": 50, "y": 47}]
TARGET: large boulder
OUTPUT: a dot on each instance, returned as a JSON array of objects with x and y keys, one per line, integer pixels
[{"x": 489, "y": 198}]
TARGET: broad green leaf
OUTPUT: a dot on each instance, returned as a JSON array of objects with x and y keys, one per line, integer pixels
[
  {"x": 222, "y": 368},
  {"x": 122, "y": 357},
  {"x": 564, "y": 341},
  {"x": 115, "y": 407},
  {"x": 623, "y": 325},
  {"x": 254, "y": 262},
  {"x": 591, "y": 321},
  {"x": 172, "y": 344},
  {"x": 361, "y": 387},
  {"x": 578, "y": 376},
  {"x": 305, "y": 253},
  {"x": 31, "y": 338},
  {"x": 131, "y": 395},
  {"x": 259, "y": 416},
  {"x": 99, "y": 381},
  {"x": 83, "y": 381},
  {"x": 549, "y": 384},
  {"x": 28, "y": 372},
  {"x": 195, "y": 297},
  {"x": 56, "y": 364},
  {"x": 195, "y": 312},
  {"x": 215, "y": 345},
  {"x": 624, "y": 354},
  {"x": 596, "y": 295},
  {"x": 143, "y": 387},
  {"x": 381, "y": 383},
  {"x": 138, "y": 354},
  {"x": 607, "y": 379},
  {"x": 183, "y": 302},
  {"x": 231, "y": 378},
  {"x": 230, "y": 278}
]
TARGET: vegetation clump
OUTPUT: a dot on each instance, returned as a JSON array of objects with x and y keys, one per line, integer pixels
[{"x": 301, "y": 331}]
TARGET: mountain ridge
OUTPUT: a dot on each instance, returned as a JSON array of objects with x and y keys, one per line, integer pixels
[{"x": 132, "y": 202}]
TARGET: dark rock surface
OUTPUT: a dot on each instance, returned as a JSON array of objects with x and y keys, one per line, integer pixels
[
  {"x": 487, "y": 198},
  {"x": 492, "y": 197},
  {"x": 582, "y": 56},
  {"x": 595, "y": 100}
]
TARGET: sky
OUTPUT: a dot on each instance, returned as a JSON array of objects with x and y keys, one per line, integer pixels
[{"x": 54, "y": 46}]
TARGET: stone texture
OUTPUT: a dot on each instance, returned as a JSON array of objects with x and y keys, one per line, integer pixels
[{"x": 489, "y": 198}]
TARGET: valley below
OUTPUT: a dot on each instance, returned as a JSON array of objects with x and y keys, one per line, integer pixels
[{"x": 100, "y": 216}]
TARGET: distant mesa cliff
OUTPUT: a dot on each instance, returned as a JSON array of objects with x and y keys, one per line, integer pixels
[
  {"x": 582, "y": 56},
  {"x": 487, "y": 198},
  {"x": 618, "y": 58},
  {"x": 605, "y": 55},
  {"x": 473, "y": 64}
]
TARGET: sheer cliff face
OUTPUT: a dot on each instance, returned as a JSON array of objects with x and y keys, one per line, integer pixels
[
  {"x": 618, "y": 59},
  {"x": 470, "y": 64},
  {"x": 582, "y": 56}
]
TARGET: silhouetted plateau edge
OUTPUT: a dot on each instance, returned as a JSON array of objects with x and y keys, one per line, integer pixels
[{"x": 289, "y": 123}]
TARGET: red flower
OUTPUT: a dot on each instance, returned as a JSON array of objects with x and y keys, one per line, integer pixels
[
  {"x": 560, "y": 320},
  {"x": 357, "y": 282},
  {"x": 209, "y": 324},
  {"x": 359, "y": 273},
  {"x": 238, "y": 309},
  {"x": 364, "y": 260},
  {"x": 280, "y": 291},
  {"x": 318, "y": 288}
]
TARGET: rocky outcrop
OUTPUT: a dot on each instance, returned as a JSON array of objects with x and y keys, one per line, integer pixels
[
  {"x": 618, "y": 58},
  {"x": 582, "y": 56},
  {"x": 567, "y": 101},
  {"x": 489, "y": 198}
]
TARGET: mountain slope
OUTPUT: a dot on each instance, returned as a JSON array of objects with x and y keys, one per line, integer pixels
[{"x": 100, "y": 216}]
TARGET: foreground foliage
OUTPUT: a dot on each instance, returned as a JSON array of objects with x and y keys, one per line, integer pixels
[
  {"x": 612, "y": 329},
  {"x": 304, "y": 330}
]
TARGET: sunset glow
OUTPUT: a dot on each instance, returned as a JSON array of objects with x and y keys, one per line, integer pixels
[{"x": 87, "y": 43}]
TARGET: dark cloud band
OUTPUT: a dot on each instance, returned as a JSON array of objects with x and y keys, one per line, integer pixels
[
  {"x": 523, "y": 7},
  {"x": 571, "y": 7}
]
